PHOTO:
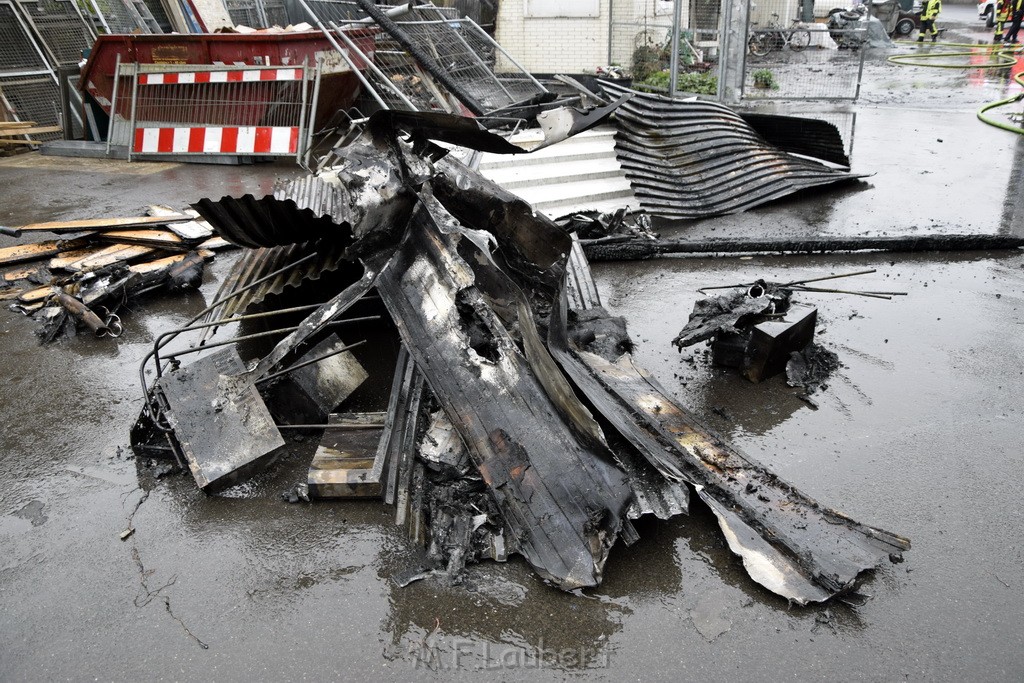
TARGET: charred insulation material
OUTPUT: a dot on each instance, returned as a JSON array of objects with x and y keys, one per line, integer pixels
[{"x": 811, "y": 368}]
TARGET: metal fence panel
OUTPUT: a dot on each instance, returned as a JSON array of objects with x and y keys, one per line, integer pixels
[
  {"x": 27, "y": 80},
  {"x": 460, "y": 47},
  {"x": 65, "y": 33},
  {"x": 197, "y": 110},
  {"x": 115, "y": 17},
  {"x": 814, "y": 73}
]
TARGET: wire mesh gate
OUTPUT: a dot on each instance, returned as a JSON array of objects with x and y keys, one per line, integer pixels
[
  {"x": 189, "y": 110},
  {"x": 792, "y": 56},
  {"x": 395, "y": 79},
  {"x": 37, "y": 39}
]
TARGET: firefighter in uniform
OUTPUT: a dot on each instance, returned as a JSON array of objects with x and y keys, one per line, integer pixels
[
  {"x": 1017, "y": 12},
  {"x": 1002, "y": 17},
  {"x": 929, "y": 13}
]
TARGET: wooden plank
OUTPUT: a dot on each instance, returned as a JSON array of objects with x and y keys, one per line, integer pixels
[
  {"x": 166, "y": 262},
  {"x": 20, "y": 273},
  {"x": 164, "y": 239},
  {"x": 30, "y": 130},
  {"x": 64, "y": 258},
  {"x": 191, "y": 230},
  {"x": 31, "y": 296},
  {"x": 28, "y": 252},
  {"x": 216, "y": 244},
  {"x": 8, "y": 293},
  {"x": 19, "y": 142},
  {"x": 103, "y": 224},
  {"x": 115, "y": 253},
  {"x": 17, "y": 124}
]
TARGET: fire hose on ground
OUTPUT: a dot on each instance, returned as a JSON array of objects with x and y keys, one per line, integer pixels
[{"x": 999, "y": 58}]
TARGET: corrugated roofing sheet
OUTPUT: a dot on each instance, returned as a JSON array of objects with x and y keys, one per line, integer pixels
[{"x": 693, "y": 159}]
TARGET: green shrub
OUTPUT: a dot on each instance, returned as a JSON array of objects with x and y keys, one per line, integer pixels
[
  {"x": 764, "y": 78},
  {"x": 700, "y": 82}
]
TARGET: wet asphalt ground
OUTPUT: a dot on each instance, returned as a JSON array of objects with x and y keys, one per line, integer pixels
[{"x": 919, "y": 432}]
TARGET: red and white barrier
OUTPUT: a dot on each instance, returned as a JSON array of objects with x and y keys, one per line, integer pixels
[
  {"x": 217, "y": 140},
  {"x": 237, "y": 76}
]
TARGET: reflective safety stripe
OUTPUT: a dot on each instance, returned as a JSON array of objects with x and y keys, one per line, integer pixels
[
  {"x": 217, "y": 140},
  {"x": 241, "y": 75}
]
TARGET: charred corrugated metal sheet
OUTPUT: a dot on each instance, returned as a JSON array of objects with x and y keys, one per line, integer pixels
[
  {"x": 251, "y": 222},
  {"x": 689, "y": 159},
  {"x": 309, "y": 261},
  {"x": 560, "y": 499},
  {"x": 810, "y": 137}
]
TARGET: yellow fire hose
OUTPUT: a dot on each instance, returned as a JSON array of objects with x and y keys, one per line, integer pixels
[{"x": 999, "y": 58}]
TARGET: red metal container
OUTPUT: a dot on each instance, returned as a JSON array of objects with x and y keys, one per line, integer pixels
[{"x": 338, "y": 89}]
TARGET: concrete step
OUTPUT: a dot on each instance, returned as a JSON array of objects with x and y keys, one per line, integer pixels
[
  {"x": 514, "y": 177},
  {"x": 603, "y": 206},
  {"x": 580, "y": 193},
  {"x": 572, "y": 149}
]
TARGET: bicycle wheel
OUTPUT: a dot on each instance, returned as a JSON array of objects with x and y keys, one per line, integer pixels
[
  {"x": 799, "y": 39},
  {"x": 759, "y": 45}
]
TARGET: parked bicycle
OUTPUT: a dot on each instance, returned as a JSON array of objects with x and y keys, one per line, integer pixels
[{"x": 775, "y": 37}]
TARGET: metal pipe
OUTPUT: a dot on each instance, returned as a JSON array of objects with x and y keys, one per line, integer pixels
[
  {"x": 329, "y": 426},
  {"x": 113, "y": 101},
  {"x": 302, "y": 111},
  {"x": 317, "y": 75},
  {"x": 257, "y": 335},
  {"x": 303, "y": 364},
  {"x": 135, "y": 101},
  {"x": 830, "y": 277},
  {"x": 673, "y": 78}
]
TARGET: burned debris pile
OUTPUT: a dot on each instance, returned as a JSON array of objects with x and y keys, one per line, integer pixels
[
  {"x": 82, "y": 281},
  {"x": 451, "y": 354}
]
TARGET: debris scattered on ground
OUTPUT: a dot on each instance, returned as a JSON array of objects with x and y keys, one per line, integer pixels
[
  {"x": 589, "y": 225},
  {"x": 84, "y": 280},
  {"x": 500, "y": 410},
  {"x": 811, "y": 368},
  {"x": 758, "y": 328}
]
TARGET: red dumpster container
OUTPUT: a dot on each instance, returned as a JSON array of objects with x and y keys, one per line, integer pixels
[{"x": 338, "y": 88}]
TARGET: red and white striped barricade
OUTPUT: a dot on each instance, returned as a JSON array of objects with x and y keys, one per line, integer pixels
[{"x": 180, "y": 110}]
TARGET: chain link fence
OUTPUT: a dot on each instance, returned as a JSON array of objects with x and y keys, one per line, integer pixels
[{"x": 642, "y": 47}]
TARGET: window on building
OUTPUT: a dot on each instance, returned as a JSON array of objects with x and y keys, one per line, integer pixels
[{"x": 563, "y": 8}]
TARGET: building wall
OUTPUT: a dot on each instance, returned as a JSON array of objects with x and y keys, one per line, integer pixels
[
  {"x": 554, "y": 44},
  {"x": 581, "y": 44}
]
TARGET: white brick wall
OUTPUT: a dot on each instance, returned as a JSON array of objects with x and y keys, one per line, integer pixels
[
  {"x": 577, "y": 45},
  {"x": 553, "y": 45}
]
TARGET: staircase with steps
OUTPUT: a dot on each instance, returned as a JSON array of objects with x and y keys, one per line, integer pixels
[{"x": 578, "y": 174}]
